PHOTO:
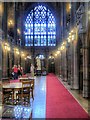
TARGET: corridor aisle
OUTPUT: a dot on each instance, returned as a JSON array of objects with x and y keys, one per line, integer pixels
[
  {"x": 59, "y": 102},
  {"x": 39, "y": 103}
]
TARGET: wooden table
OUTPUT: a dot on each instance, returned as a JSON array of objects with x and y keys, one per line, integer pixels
[
  {"x": 17, "y": 86},
  {"x": 26, "y": 78},
  {"x": 14, "y": 86}
]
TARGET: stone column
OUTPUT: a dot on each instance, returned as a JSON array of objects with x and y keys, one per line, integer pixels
[
  {"x": 5, "y": 53},
  {"x": 4, "y": 64},
  {"x": 62, "y": 62},
  {"x": 85, "y": 66},
  {"x": 65, "y": 65},
  {"x": 69, "y": 63},
  {"x": 0, "y": 69},
  {"x": 56, "y": 65},
  {"x": 23, "y": 62},
  {"x": 89, "y": 56},
  {"x": 86, "y": 54},
  {"x": 74, "y": 82},
  {"x": 0, "y": 59},
  {"x": 11, "y": 61},
  {"x": 1, "y": 14},
  {"x": 89, "y": 59},
  {"x": 22, "y": 26},
  {"x": 73, "y": 14},
  {"x": 4, "y": 20},
  {"x": 15, "y": 22},
  {"x": 72, "y": 64},
  {"x": 76, "y": 71}
]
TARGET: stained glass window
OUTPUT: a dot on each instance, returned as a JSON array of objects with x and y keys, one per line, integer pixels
[{"x": 40, "y": 27}]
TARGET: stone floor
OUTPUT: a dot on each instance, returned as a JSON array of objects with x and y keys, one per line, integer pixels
[{"x": 39, "y": 103}]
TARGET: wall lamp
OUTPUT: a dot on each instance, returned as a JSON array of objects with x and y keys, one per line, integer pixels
[
  {"x": 22, "y": 54},
  {"x": 51, "y": 57},
  {"x": 6, "y": 46},
  {"x": 17, "y": 51}
]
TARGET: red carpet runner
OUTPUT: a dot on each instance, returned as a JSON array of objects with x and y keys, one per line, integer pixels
[{"x": 59, "y": 102}]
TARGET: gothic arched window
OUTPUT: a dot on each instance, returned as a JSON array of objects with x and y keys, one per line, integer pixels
[{"x": 40, "y": 27}]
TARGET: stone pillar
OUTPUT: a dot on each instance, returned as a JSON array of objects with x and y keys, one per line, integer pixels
[
  {"x": 22, "y": 26},
  {"x": 69, "y": 63},
  {"x": 10, "y": 61},
  {"x": 76, "y": 71},
  {"x": 4, "y": 20},
  {"x": 0, "y": 59},
  {"x": 60, "y": 64},
  {"x": 1, "y": 14},
  {"x": 15, "y": 23},
  {"x": 72, "y": 64},
  {"x": 65, "y": 65},
  {"x": 16, "y": 57},
  {"x": 0, "y": 68},
  {"x": 86, "y": 54},
  {"x": 73, "y": 14},
  {"x": 64, "y": 21},
  {"x": 85, "y": 65},
  {"x": 5, "y": 53},
  {"x": 89, "y": 60},
  {"x": 57, "y": 65},
  {"x": 23, "y": 62},
  {"x": 89, "y": 56},
  {"x": 73, "y": 54},
  {"x": 4, "y": 63}
]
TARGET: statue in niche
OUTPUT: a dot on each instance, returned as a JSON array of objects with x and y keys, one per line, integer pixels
[{"x": 38, "y": 63}]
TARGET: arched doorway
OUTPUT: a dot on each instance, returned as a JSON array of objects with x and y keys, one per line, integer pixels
[{"x": 51, "y": 64}]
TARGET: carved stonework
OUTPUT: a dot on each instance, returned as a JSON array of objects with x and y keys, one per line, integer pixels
[{"x": 80, "y": 19}]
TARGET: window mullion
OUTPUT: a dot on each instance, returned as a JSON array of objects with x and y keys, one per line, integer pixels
[
  {"x": 33, "y": 27},
  {"x": 46, "y": 28}
]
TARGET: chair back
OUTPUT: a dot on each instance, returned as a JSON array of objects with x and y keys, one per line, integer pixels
[
  {"x": 26, "y": 84},
  {"x": 32, "y": 82}
]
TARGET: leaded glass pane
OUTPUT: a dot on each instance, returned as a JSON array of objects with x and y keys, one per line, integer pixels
[{"x": 40, "y": 23}]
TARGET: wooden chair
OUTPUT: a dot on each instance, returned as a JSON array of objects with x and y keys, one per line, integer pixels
[
  {"x": 7, "y": 93},
  {"x": 5, "y": 80},
  {"x": 32, "y": 87},
  {"x": 7, "y": 96},
  {"x": 24, "y": 94},
  {"x": 26, "y": 85}
]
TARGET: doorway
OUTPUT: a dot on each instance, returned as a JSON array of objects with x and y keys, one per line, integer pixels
[
  {"x": 51, "y": 65},
  {"x": 80, "y": 65}
]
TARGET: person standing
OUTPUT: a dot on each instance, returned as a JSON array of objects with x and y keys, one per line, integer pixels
[
  {"x": 19, "y": 71},
  {"x": 22, "y": 71},
  {"x": 32, "y": 70},
  {"x": 15, "y": 71}
]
